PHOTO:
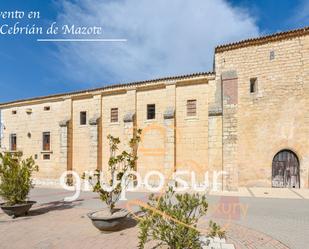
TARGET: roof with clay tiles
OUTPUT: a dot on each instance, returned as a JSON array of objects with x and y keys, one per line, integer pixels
[
  {"x": 110, "y": 87},
  {"x": 263, "y": 39}
]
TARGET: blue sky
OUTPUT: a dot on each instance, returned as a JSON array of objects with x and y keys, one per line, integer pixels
[{"x": 164, "y": 38}]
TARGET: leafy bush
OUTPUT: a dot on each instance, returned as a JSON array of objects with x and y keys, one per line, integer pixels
[
  {"x": 215, "y": 230},
  {"x": 119, "y": 164},
  {"x": 15, "y": 177},
  {"x": 172, "y": 219}
]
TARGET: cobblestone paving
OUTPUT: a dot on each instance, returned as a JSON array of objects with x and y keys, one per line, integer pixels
[{"x": 66, "y": 225}]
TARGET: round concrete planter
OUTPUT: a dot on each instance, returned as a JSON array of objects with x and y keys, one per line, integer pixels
[
  {"x": 18, "y": 209},
  {"x": 104, "y": 221}
]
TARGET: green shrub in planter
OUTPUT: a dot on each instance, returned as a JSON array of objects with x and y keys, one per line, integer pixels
[
  {"x": 15, "y": 177},
  {"x": 171, "y": 220},
  {"x": 112, "y": 218},
  {"x": 119, "y": 165}
]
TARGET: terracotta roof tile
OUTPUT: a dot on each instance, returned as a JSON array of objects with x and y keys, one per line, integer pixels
[
  {"x": 110, "y": 87},
  {"x": 263, "y": 39}
]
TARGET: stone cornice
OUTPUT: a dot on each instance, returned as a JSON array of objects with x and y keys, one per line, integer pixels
[{"x": 109, "y": 89}]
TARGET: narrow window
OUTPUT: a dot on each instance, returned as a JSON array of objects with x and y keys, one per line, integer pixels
[
  {"x": 46, "y": 141},
  {"x": 151, "y": 111},
  {"x": 83, "y": 118},
  {"x": 13, "y": 142},
  {"x": 46, "y": 108},
  {"x": 272, "y": 55},
  {"x": 253, "y": 85},
  {"x": 191, "y": 107},
  {"x": 114, "y": 115},
  {"x": 46, "y": 156},
  {"x": 14, "y": 112}
]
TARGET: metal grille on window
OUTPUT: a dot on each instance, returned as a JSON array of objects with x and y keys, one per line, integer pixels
[
  {"x": 191, "y": 107},
  {"x": 151, "y": 111},
  {"x": 114, "y": 115},
  {"x": 13, "y": 142},
  {"x": 46, "y": 141}
]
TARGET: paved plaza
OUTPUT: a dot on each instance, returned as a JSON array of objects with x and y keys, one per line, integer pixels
[{"x": 253, "y": 218}]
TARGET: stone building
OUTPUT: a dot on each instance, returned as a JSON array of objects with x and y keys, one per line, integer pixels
[{"x": 248, "y": 118}]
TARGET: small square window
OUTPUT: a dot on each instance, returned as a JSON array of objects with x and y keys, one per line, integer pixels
[
  {"x": 253, "y": 85},
  {"x": 191, "y": 107},
  {"x": 83, "y": 118},
  {"x": 46, "y": 156},
  {"x": 151, "y": 111},
  {"x": 46, "y": 108},
  {"x": 114, "y": 115},
  {"x": 14, "y": 112}
]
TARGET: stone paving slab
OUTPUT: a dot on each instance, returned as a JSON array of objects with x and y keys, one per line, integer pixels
[
  {"x": 276, "y": 216},
  {"x": 304, "y": 193},
  {"x": 242, "y": 192},
  {"x": 274, "y": 193},
  {"x": 245, "y": 238},
  {"x": 259, "y": 192},
  {"x": 66, "y": 225}
]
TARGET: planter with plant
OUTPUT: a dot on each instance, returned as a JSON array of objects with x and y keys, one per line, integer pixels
[
  {"x": 112, "y": 218},
  {"x": 171, "y": 221},
  {"x": 16, "y": 183}
]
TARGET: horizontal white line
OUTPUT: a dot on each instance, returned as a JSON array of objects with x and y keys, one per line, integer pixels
[{"x": 81, "y": 40}]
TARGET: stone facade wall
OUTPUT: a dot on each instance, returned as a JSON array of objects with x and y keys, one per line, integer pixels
[
  {"x": 274, "y": 118},
  {"x": 229, "y": 128},
  {"x": 29, "y": 128},
  {"x": 234, "y": 130},
  {"x": 85, "y": 137},
  {"x": 192, "y": 132},
  {"x": 152, "y": 147},
  {"x": 215, "y": 155},
  {"x": 171, "y": 141},
  {"x": 123, "y": 101},
  {"x": 215, "y": 145}
]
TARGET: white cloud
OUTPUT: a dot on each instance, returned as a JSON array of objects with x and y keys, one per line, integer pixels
[{"x": 164, "y": 37}]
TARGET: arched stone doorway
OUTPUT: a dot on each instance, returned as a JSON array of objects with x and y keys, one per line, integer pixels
[{"x": 285, "y": 170}]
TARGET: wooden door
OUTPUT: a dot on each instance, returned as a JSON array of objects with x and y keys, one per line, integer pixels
[{"x": 285, "y": 170}]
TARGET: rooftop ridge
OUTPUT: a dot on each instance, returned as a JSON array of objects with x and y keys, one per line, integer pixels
[
  {"x": 110, "y": 87},
  {"x": 263, "y": 39}
]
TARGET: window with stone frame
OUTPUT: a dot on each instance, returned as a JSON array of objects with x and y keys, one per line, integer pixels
[
  {"x": 151, "y": 111},
  {"x": 114, "y": 115},
  {"x": 13, "y": 142},
  {"x": 46, "y": 141},
  {"x": 191, "y": 107},
  {"x": 83, "y": 118}
]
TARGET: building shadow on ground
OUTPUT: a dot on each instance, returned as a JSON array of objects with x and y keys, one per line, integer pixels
[{"x": 53, "y": 206}]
